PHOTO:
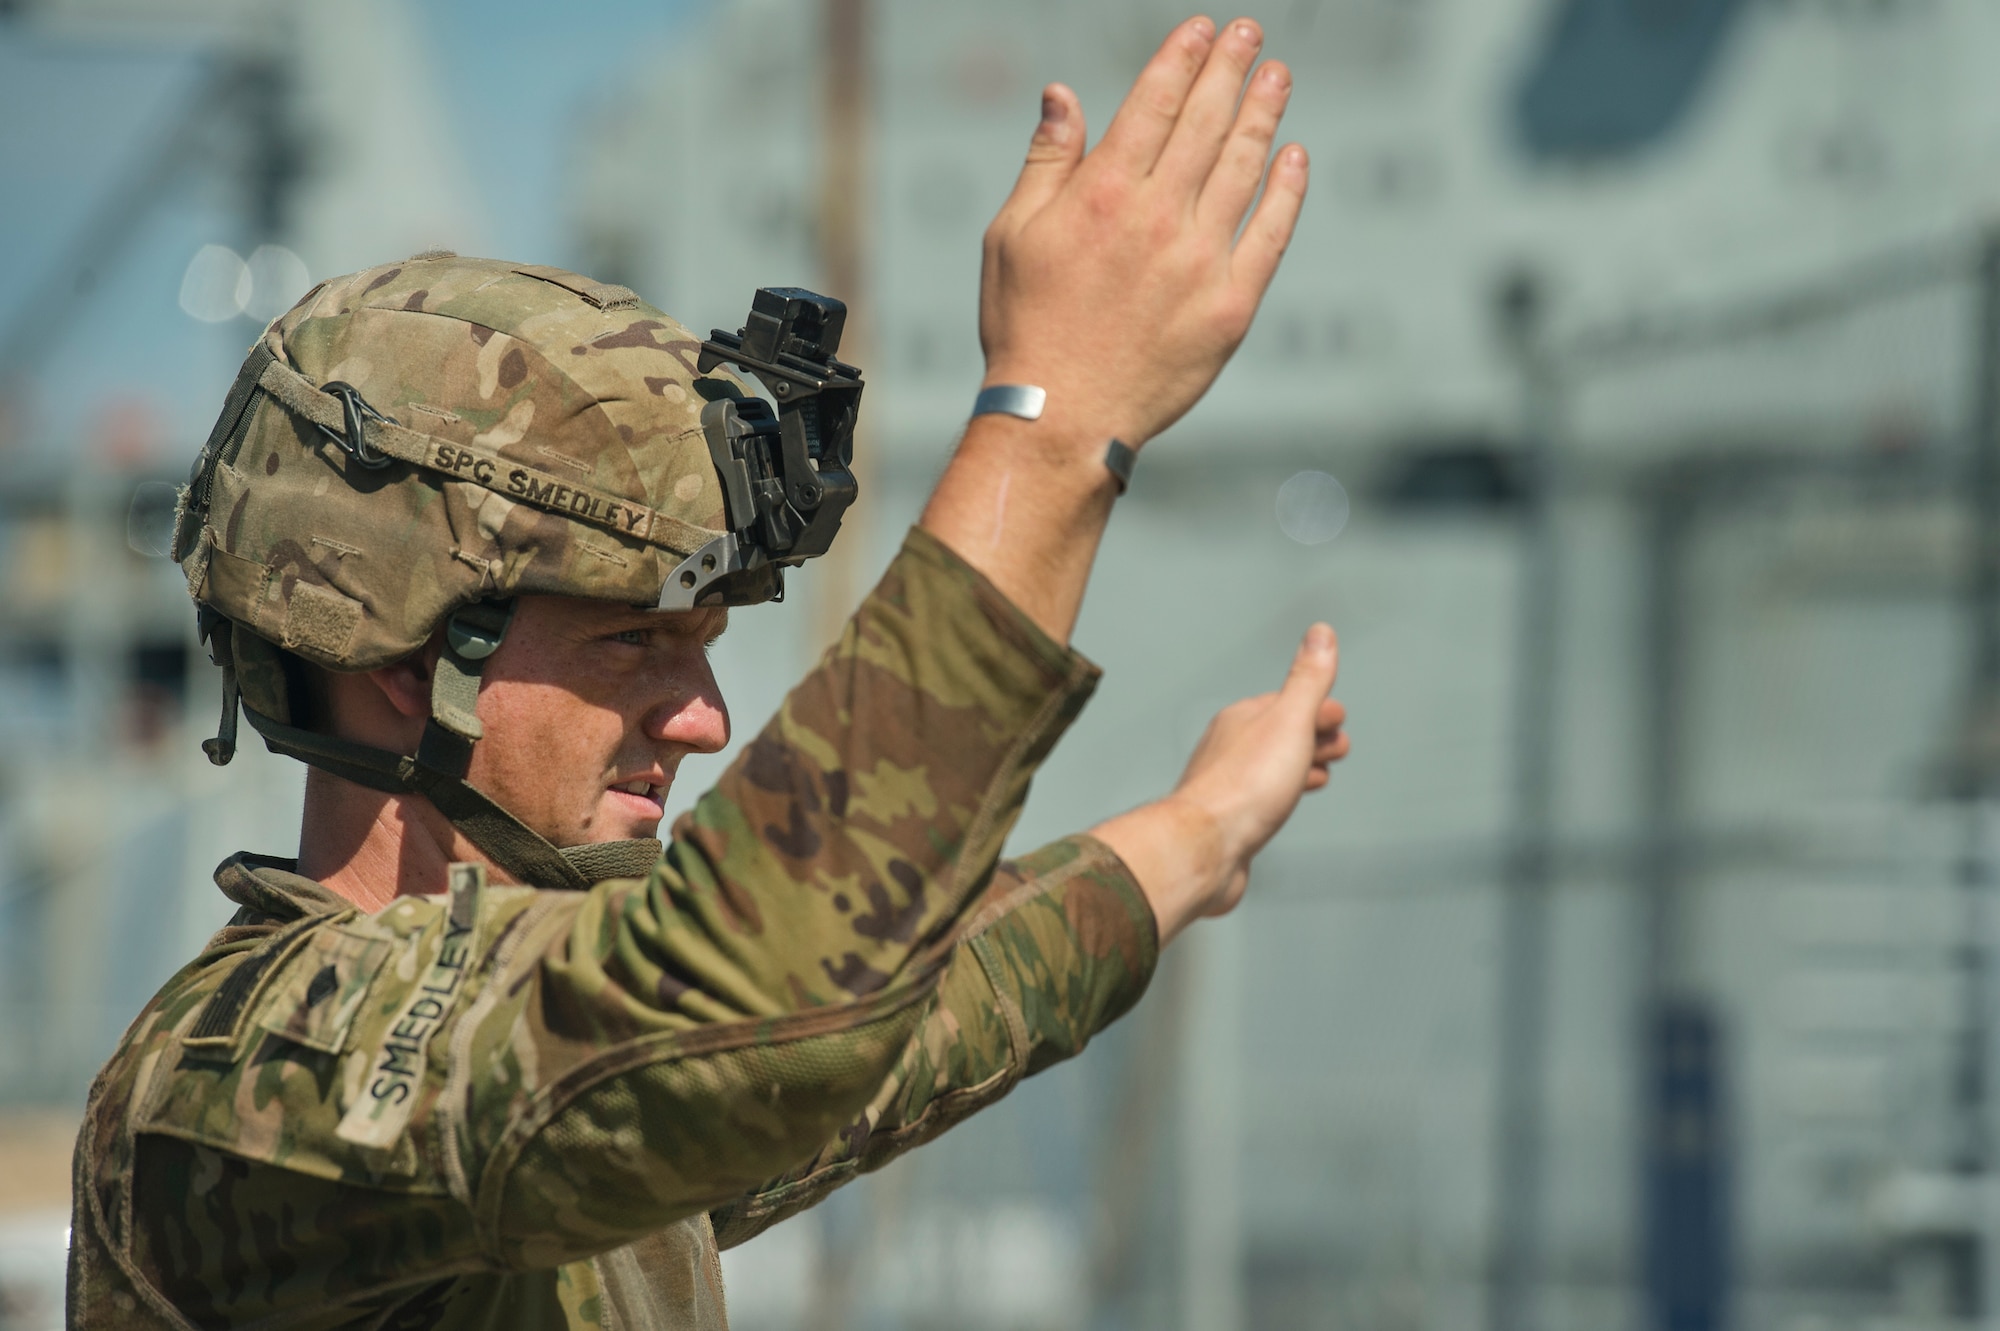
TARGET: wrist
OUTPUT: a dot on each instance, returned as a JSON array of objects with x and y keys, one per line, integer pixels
[
  {"x": 1058, "y": 451},
  {"x": 1176, "y": 851},
  {"x": 1069, "y": 409}
]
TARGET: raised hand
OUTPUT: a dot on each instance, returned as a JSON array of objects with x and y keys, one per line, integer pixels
[
  {"x": 1120, "y": 280},
  {"x": 1191, "y": 851}
]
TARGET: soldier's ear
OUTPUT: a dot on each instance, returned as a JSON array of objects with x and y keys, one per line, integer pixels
[{"x": 406, "y": 685}]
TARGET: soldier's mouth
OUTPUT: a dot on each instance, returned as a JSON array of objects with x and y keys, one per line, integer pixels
[{"x": 652, "y": 795}]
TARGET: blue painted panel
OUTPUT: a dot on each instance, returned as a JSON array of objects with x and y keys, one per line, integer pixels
[
  {"x": 1617, "y": 76},
  {"x": 1686, "y": 1222}
]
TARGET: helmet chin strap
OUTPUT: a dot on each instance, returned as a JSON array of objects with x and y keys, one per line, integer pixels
[{"x": 437, "y": 770}]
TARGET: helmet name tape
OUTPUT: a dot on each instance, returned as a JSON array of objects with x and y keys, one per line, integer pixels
[{"x": 480, "y": 466}]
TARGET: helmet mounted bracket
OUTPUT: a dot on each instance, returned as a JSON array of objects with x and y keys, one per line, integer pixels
[{"x": 787, "y": 477}]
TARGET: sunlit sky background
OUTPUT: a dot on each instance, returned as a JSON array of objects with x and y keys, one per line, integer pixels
[{"x": 515, "y": 76}]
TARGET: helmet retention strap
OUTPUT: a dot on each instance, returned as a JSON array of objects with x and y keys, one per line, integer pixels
[{"x": 219, "y": 634}]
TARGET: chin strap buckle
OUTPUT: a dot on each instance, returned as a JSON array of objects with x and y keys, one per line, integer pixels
[{"x": 471, "y": 635}]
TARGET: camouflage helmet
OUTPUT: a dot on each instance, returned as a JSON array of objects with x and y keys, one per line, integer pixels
[{"x": 414, "y": 445}]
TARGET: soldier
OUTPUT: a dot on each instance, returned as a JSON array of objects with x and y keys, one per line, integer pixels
[{"x": 488, "y": 1055}]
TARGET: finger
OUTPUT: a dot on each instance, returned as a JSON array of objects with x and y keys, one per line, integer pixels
[
  {"x": 1316, "y": 777},
  {"x": 1313, "y": 668},
  {"x": 1332, "y": 716},
  {"x": 1147, "y": 117},
  {"x": 1269, "y": 230},
  {"x": 1197, "y": 138},
  {"x": 1052, "y": 157},
  {"x": 1233, "y": 183},
  {"x": 1331, "y": 750}
]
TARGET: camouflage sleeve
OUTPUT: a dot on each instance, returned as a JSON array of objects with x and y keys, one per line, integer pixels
[
  {"x": 656, "y": 1048},
  {"x": 1061, "y": 945}
]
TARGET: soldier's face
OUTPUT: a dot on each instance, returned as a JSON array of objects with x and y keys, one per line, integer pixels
[{"x": 588, "y": 710}]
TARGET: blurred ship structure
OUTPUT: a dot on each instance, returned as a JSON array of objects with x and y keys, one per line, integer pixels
[
  {"x": 1633, "y": 974},
  {"x": 301, "y": 134}
]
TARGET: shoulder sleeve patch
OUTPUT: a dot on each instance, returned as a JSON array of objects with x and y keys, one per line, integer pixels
[
  {"x": 222, "y": 1016},
  {"x": 314, "y": 1002}
]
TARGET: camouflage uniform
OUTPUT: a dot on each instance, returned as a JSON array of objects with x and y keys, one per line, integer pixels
[
  {"x": 826, "y": 969},
  {"x": 504, "y": 1106}
]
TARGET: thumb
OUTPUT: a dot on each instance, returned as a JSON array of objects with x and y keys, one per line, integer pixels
[
  {"x": 1052, "y": 154},
  {"x": 1313, "y": 669}
]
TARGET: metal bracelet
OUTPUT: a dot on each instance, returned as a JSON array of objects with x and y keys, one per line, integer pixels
[
  {"x": 1023, "y": 400},
  {"x": 1026, "y": 401},
  {"x": 1118, "y": 459}
]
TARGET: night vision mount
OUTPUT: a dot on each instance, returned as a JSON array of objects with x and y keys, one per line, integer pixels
[{"x": 787, "y": 476}]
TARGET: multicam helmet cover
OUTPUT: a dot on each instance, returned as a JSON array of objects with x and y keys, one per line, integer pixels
[
  {"x": 565, "y": 454},
  {"x": 414, "y": 445}
]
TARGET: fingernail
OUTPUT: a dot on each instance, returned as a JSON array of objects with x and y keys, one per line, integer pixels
[
  {"x": 1054, "y": 110},
  {"x": 1319, "y": 641},
  {"x": 1247, "y": 32},
  {"x": 1204, "y": 28}
]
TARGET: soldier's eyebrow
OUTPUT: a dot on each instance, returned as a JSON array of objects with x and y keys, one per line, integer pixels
[{"x": 708, "y": 624}]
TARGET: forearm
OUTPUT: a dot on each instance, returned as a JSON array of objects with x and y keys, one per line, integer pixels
[
  {"x": 1060, "y": 946},
  {"x": 857, "y": 828},
  {"x": 1026, "y": 503}
]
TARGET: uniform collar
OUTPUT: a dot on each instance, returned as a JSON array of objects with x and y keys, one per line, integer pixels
[{"x": 271, "y": 887}]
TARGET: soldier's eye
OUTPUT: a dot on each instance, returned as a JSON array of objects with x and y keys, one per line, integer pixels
[{"x": 636, "y": 637}]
